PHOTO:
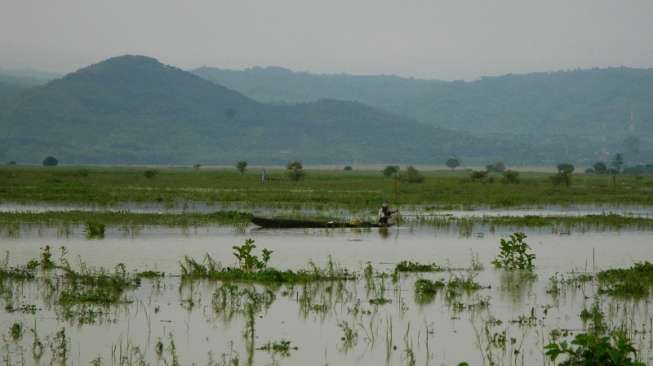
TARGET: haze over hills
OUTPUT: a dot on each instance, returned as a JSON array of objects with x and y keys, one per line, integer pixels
[
  {"x": 601, "y": 110},
  {"x": 133, "y": 109}
]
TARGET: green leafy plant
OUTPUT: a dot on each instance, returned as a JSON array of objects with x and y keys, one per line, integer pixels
[
  {"x": 249, "y": 262},
  {"x": 150, "y": 173},
  {"x": 94, "y": 230},
  {"x": 515, "y": 254},
  {"x": 241, "y": 166},
  {"x": 594, "y": 349}
]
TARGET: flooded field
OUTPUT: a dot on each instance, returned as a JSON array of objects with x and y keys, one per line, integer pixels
[{"x": 354, "y": 306}]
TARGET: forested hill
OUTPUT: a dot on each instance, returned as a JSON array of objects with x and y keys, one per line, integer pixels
[
  {"x": 596, "y": 104},
  {"x": 133, "y": 109}
]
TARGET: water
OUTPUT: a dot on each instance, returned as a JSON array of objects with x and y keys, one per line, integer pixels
[{"x": 386, "y": 334}]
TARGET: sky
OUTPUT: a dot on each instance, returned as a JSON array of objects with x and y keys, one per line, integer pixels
[{"x": 448, "y": 39}]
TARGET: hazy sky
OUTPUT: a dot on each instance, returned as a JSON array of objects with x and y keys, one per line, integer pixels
[{"x": 453, "y": 39}]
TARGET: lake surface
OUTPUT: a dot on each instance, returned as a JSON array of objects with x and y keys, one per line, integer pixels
[{"x": 509, "y": 322}]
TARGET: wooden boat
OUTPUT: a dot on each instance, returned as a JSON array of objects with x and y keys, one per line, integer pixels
[{"x": 277, "y": 223}]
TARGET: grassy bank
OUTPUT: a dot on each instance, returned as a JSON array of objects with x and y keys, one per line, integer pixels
[{"x": 359, "y": 190}]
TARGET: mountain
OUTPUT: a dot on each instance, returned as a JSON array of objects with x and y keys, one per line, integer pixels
[
  {"x": 26, "y": 77},
  {"x": 133, "y": 109},
  {"x": 603, "y": 109}
]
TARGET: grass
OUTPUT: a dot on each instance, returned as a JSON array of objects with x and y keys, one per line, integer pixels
[
  {"x": 97, "y": 219},
  {"x": 358, "y": 189}
]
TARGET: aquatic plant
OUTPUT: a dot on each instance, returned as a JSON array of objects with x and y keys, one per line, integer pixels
[
  {"x": 635, "y": 281},
  {"x": 94, "y": 230},
  {"x": 515, "y": 254},
  {"x": 409, "y": 266},
  {"x": 249, "y": 262},
  {"x": 592, "y": 349},
  {"x": 281, "y": 347}
]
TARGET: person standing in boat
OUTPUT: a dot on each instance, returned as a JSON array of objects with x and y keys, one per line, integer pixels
[{"x": 385, "y": 213}]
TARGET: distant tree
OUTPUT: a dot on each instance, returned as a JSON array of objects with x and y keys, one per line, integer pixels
[
  {"x": 197, "y": 166},
  {"x": 11, "y": 163},
  {"x": 348, "y": 168},
  {"x": 453, "y": 163},
  {"x": 600, "y": 167},
  {"x": 230, "y": 113},
  {"x": 510, "y": 177},
  {"x": 566, "y": 168},
  {"x": 411, "y": 175},
  {"x": 478, "y": 175},
  {"x": 295, "y": 170},
  {"x": 150, "y": 173},
  {"x": 390, "y": 171},
  {"x": 498, "y": 167},
  {"x": 561, "y": 179},
  {"x": 50, "y": 161},
  {"x": 241, "y": 166},
  {"x": 590, "y": 171},
  {"x": 617, "y": 163}
]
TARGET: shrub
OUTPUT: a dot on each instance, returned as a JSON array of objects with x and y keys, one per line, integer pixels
[
  {"x": 510, "y": 177},
  {"x": 150, "y": 173},
  {"x": 295, "y": 171},
  {"x": 390, "y": 171},
  {"x": 50, "y": 161},
  {"x": 347, "y": 168},
  {"x": 197, "y": 166},
  {"x": 515, "y": 254},
  {"x": 241, "y": 166},
  {"x": 11, "y": 163},
  {"x": 411, "y": 175}
]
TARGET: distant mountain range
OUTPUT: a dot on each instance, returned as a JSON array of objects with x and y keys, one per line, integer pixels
[
  {"x": 133, "y": 109},
  {"x": 602, "y": 110}
]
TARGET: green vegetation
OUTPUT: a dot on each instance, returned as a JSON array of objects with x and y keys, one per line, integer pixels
[
  {"x": 358, "y": 189},
  {"x": 411, "y": 175},
  {"x": 100, "y": 219},
  {"x": 50, "y": 161},
  {"x": 251, "y": 269},
  {"x": 408, "y": 266},
  {"x": 241, "y": 166},
  {"x": 282, "y": 347},
  {"x": 452, "y": 163},
  {"x": 636, "y": 281},
  {"x": 596, "y": 347},
  {"x": 94, "y": 230},
  {"x": 515, "y": 254},
  {"x": 295, "y": 171}
]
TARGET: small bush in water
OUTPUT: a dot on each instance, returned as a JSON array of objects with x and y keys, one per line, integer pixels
[
  {"x": 515, "y": 254},
  {"x": 94, "y": 230},
  {"x": 249, "y": 262}
]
